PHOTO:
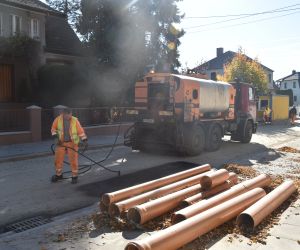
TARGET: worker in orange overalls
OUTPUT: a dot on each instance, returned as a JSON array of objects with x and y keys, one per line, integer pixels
[{"x": 67, "y": 132}]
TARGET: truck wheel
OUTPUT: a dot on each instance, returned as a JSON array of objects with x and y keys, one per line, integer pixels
[
  {"x": 214, "y": 138},
  {"x": 195, "y": 140},
  {"x": 247, "y": 135}
]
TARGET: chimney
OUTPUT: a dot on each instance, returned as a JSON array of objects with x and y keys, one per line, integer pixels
[
  {"x": 220, "y": 51},
  {"x": 294, "y": 72}
]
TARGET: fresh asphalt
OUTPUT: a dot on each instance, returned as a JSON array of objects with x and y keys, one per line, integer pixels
[{"x": 26, "y": 191}]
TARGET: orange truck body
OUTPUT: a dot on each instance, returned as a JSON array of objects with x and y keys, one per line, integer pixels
[{"x": 178, "y": 103}]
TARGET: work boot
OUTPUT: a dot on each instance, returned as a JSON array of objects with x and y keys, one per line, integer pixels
[
  {"x": 56, "y": 178},
  {"x": 74, "y": 179}
]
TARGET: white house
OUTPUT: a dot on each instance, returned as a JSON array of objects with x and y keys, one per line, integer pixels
[
  {"x": 292, "y": 82},
  {"x": 215, "y": 66}
]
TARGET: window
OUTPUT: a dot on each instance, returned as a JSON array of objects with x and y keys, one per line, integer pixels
[
  {"x": 15, "y": 25},
  {"x": 251, "y": 95},
  {"x": 285, "y": 85},
  {"x": 213, "y": 76},
  {"x": 295, "y": 98},
  {"x": 34, "y": 28},
  {"x": 1, "y": 25},
  {"x": 195, "y": 94},
  {"x": 270, "y": 78},
  {"x": 294, "y": 85},
  {"x": 263, "y": 104}
]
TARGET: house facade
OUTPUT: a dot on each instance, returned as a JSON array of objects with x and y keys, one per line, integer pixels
[
  {"x": 55, "y": 42},
  {"x": 292, "y": 82},
  {"x": 215, "y": 66}
]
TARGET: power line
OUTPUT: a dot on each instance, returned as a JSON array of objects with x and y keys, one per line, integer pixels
[
  {"x": 239, "y": 24},
  {"x": 235, "y": 15},
  {"x": 242, "y": 17}
]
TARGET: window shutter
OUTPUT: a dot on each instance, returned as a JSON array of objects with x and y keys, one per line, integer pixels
[{"x": 11, "y": 31}]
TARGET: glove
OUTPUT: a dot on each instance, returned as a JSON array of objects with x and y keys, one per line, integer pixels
[
  {"x": 85, "y": 143},
  {"x": 56, "y": 139}
]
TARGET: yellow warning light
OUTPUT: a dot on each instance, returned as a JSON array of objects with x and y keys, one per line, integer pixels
[{"x": 171, "y": 45}]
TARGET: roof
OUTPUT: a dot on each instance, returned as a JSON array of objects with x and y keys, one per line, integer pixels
[
  {"x": 295, "y": 73},
  {"x": 34, "y": 5},
  {"x": 61, "y": 38},
  {"x": 220, "y": 61},
  {"x": 185, "y": 77}
]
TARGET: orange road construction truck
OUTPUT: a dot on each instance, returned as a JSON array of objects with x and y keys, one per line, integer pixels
[{"x": 190, "y": 114}]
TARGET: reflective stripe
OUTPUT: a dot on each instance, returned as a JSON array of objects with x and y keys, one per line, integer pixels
[
  {"x": 73, "y": 129},
  {"x": 74, "y": 134}
]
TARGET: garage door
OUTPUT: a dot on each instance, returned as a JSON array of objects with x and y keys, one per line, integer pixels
[{"x": 6, "y": 83}]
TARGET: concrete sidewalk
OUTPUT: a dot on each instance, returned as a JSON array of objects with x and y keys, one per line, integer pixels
[
  {"x": 75, "y": 231},
  {"x": 38, "y": 149}
]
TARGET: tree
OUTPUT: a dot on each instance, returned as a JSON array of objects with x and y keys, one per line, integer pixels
[
  {"x": 69, "y": 8},
  {"x": 112, "y": 28},
  {"x": 126, "y": 36},
  {"x": 246, "y": 70}
]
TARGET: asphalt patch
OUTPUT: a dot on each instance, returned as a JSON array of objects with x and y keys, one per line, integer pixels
[{"x": 96, "y": 189}]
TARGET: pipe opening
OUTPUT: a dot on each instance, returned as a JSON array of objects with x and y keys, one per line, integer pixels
[
  {"x": 176, "y": 218},
  {"x": 114, "y": 210},
  {"x": 132, "y": 246},
  {"x": 106, "y": 199},
  {"x": 245, "y": 222},
  {"x": 184, "y": 204},
  {"x": 206, "y": 182},
  {"x": 103, "y": 207},
  {"x": 134, "y": 215}
]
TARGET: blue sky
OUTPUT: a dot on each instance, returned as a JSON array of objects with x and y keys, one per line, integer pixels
[{"x": 276, "y": 42}]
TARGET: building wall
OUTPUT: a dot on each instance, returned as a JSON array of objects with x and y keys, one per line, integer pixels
[
  {"x": 292, "y": 83},
  {"x": 280, "y": 107},
  {"x": 217, "y": 71},
  {"x": 26, "y": 16},
  {"x": 269, "y": 75}
]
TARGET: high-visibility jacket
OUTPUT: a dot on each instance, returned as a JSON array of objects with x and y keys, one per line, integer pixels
[
  {"x": 267, "y": 111},
  {"x": 76, "y": 131}
]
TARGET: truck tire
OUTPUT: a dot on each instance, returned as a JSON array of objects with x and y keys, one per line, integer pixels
[
  {"x": 247, "y": 134},
  {"x": 194, "y": 140},
  {"x": 214, "y": 137}
]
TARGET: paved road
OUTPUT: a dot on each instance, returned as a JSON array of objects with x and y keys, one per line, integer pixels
[{"x": 25, "y": 189}]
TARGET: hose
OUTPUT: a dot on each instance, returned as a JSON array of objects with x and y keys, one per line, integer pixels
[{"x": 87, "y": 167}]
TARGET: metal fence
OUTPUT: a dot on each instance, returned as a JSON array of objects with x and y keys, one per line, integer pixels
[
  {"x": 47, "y": 117},
  {"x": 12, "y": 120},
  {"x": 18, "y": 119},
  {"x": 99, "y": 116}
]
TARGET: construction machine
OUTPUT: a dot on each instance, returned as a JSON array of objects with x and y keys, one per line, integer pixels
[{"x": 190, "y": 114}]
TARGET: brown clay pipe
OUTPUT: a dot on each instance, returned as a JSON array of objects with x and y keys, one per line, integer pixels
[
  {"x": 251, "y": 217},
  {"x": 122, "y": 194},
  {"x": 259, "y": 181},
  {"x": 186, "y": 231},
  {"x": 233, "y": 179}
]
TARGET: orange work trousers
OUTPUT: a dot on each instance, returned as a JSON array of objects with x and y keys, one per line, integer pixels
[{"x": 60, "y": 156}]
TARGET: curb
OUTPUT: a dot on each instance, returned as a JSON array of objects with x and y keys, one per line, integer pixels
[{"x": 45, "y": 154}]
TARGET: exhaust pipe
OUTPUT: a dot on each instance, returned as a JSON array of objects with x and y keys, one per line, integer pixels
[
  {"x": 122, "y": 194},
  {"x": 214, "y": 179},
  {"x": 186, "y": 231},
  {"x": 259, "y": 181},
  {"x": 115, "y": 209},
  {"x": 233, "y": 180},
  {"x": 251, "y": 217},
  {"x": 151, "y": 209}
]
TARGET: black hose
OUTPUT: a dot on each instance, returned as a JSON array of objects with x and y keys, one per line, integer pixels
[{"x": 87, "y": 167}]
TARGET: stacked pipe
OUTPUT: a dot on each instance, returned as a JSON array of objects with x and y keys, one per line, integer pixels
[
  {"x": 113, "y": 197},
  {"x": 209, "y": 197}
]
